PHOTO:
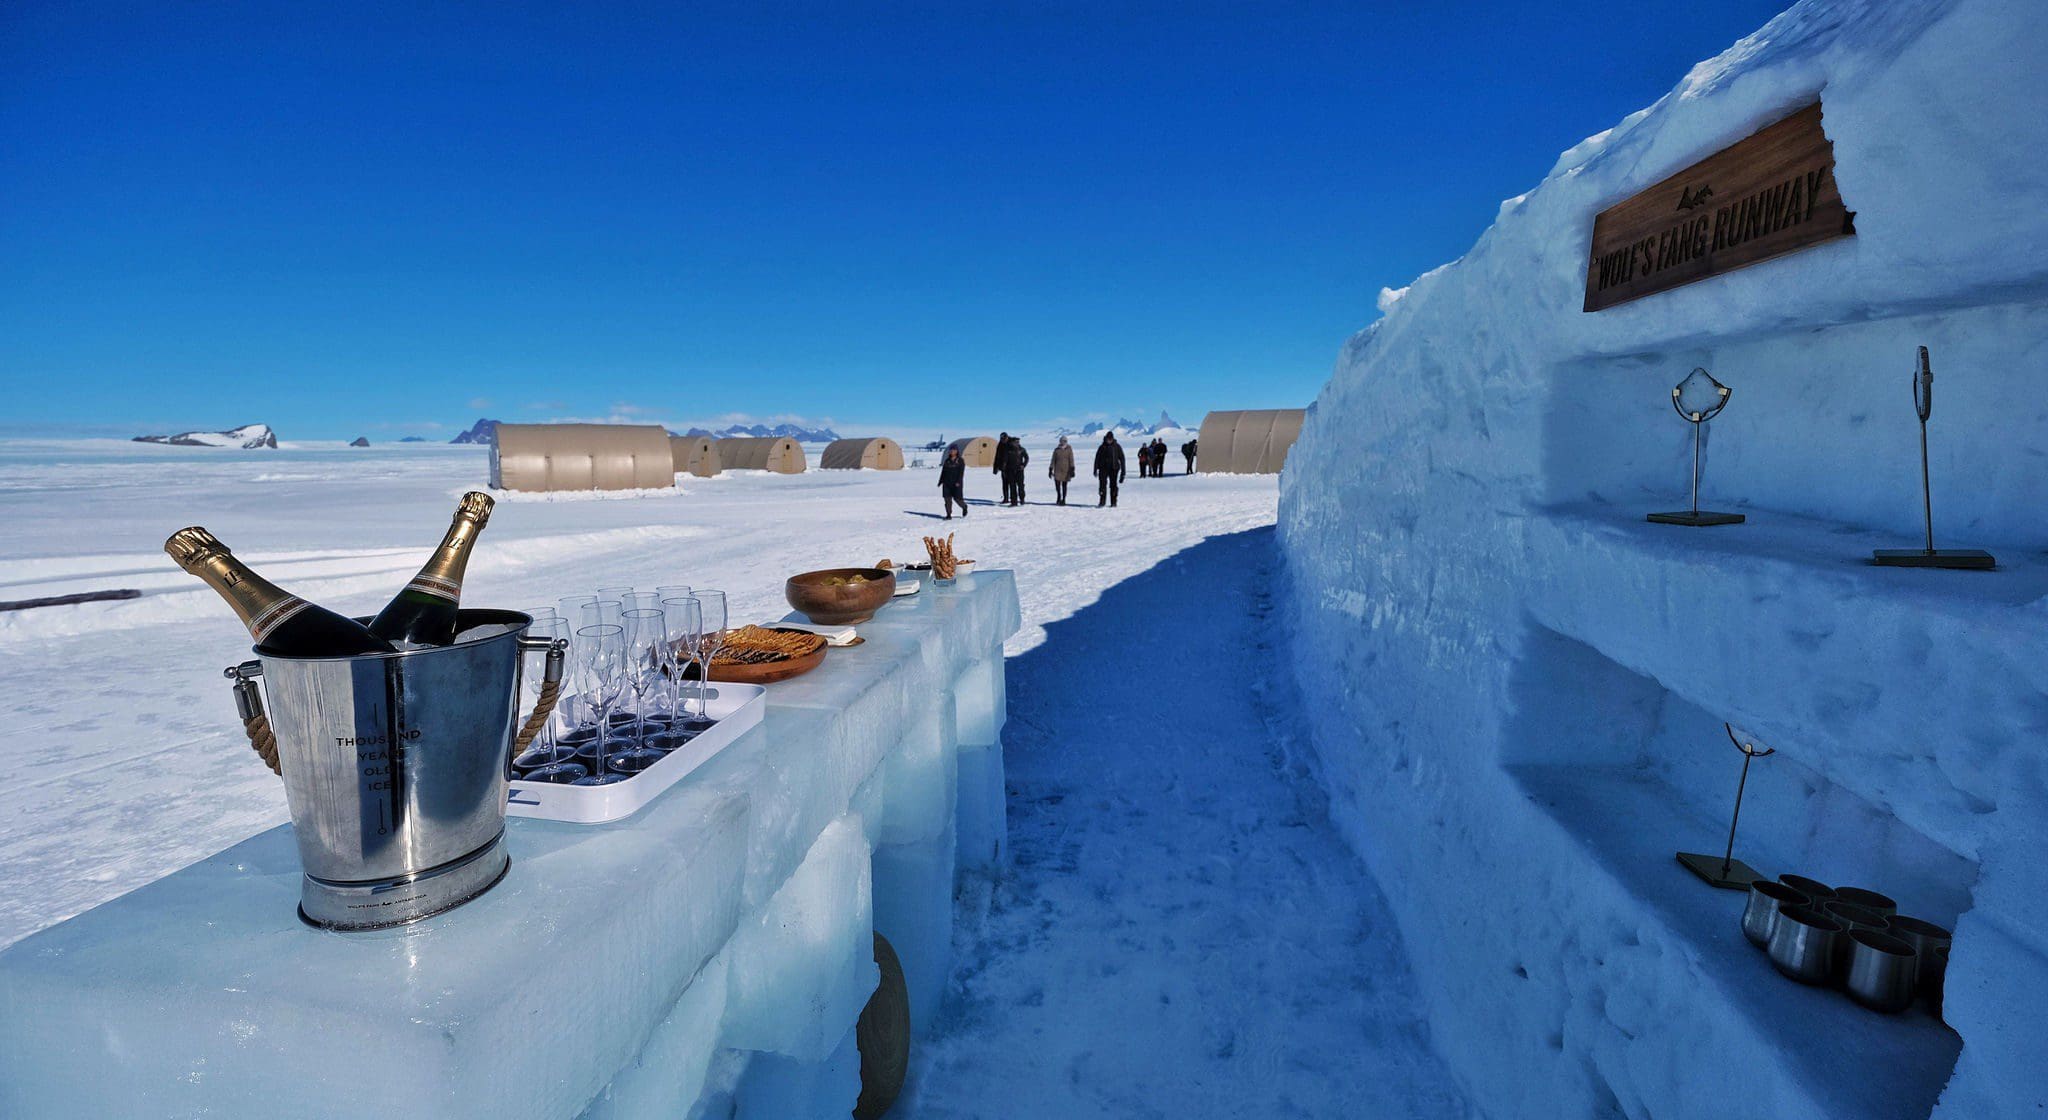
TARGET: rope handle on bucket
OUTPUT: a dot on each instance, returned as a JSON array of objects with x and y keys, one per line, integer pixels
[
  {"x": 249, "y": 705},
  {"x": 550, "y": 691},
  {"x": 262, "y": 740}
]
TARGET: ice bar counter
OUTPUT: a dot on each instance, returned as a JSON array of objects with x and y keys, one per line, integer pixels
[{"x": 706, "y": 956}]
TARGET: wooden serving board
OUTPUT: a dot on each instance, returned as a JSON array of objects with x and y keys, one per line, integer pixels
[{"x": 765, "y": 672}]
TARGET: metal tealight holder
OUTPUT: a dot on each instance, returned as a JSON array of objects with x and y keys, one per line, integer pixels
[
  {"x": 1724, "y": 870},
  {"x": 1929, "y": 557},
  {"x": 1699, "y": 398}
]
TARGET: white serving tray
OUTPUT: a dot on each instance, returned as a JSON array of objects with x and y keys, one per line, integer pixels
[{"x": 736, "y": 707}]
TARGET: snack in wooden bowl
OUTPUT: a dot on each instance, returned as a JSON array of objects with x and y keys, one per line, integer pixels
[{"x": 840, "y": 596}]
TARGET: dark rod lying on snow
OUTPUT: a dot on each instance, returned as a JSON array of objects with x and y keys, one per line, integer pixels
[{"x": 67, "y": 600}]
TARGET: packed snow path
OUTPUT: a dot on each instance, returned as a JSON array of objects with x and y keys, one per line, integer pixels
[{"x": 1181, "y": 933}]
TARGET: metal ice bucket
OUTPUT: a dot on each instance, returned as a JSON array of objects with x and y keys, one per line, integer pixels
[{"x": 395, "y": 766}]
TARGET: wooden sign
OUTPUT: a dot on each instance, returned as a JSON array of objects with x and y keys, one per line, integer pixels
[{"x": 1761, "y": 197}]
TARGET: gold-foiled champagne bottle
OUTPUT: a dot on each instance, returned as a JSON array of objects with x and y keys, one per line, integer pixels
[
  {"x": 423, "y": 614},
  {"x": 279, "y": 621}
]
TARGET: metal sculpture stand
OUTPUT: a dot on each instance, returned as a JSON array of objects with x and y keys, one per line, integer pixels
[
  {"x": 1725, "y": 871},
  {"x": 1930, "y": 557},
  {"x": 1697, "y": 418}
]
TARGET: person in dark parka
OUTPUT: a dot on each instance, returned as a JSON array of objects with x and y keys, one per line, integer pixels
[
  {"x": 1188, "y": 449},
  {"x": 953, "y": 482},
  {"x": 1010, "y": 461},
  {"x": 1109, "y": 469},
  {"x": 1002, "y": 460},
  {"x": 1062, "y": 470}
]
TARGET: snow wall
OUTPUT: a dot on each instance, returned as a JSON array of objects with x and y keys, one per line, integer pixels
[{"x": 1516, "y": 686}]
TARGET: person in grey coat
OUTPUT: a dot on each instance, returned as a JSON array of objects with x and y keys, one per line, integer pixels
[{"x": 1062, "y": 470}]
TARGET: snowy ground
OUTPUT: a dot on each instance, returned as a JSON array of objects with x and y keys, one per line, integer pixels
[
  {"x": 1171, "y": 862},
  {"x": 123, "y": 746}
]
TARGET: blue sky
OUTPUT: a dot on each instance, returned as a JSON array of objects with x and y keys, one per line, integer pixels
[{"x": 390, "y": 220}]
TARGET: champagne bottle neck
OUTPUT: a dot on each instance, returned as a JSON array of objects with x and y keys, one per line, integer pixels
[
  {"x": 442, "y": 575},
  {"x": 262, "y": 605}
]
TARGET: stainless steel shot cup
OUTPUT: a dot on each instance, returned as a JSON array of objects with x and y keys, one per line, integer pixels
[
  {"x": 1760, "y": 917},
  {"x": 1813, "y": 889},
  {"x": 1882, "y": 969},
  {"x": 1930, "y": 943},
  {"x": 1803, "y": 944},
  {"x": 1869, "y": 900},
  {"x": 1852, "y": 918}
]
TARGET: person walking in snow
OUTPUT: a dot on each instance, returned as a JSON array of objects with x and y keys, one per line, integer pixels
[
  {"x": 1062, "y": 470},
  {"x": 1009, "y": 463},
  {"x": 1002, "y": 459},
  {"x": 1187, "y": 450},
  {"x": 953, "y": 482},
  {"x": 1158, "y": 457},
  {"x": 1144, "y": 460},
  {"x": 1109, "y": 469}
]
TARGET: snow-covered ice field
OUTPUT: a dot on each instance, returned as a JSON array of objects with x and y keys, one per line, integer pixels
[
  {"x": 1174, "y": 869},
  {"x": 125, "y": 757}
]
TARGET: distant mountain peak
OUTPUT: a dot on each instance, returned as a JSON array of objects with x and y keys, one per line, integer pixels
[
  {"x": 483, "y": 431},
  {"x": 780, "y": 431},
  {"x": 247, "y": 437}
]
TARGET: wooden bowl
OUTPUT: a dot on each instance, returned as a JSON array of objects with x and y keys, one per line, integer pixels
[{"x": 840, "y": 604}]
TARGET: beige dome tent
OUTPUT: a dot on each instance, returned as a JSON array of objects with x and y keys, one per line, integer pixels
[
  {"x": 763, "y": 453},
  {"x": 979, "y": 451},
  {"x": 879, "y": 453},
  {"x": 581, "y": 457},
  {"x": 696, "y": 455},
  {"x": 1253, "y": 442}
]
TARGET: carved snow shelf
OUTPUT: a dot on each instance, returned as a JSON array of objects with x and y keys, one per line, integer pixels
[
  {"x": 1847, "y": 1061},
  {"x": 1785, "y": 628}
]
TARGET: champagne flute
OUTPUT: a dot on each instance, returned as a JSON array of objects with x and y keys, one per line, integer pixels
[
  {"x": 685, "y": 620},
  {"x": 645, "y": 633},
  {"x": 547, "y": 752},
  {"x": 674, "y": 715},
  {"x": 607, "y": 612},
  {"x": 600, "y": 675},
  {"x": 712, "y": 605}
]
